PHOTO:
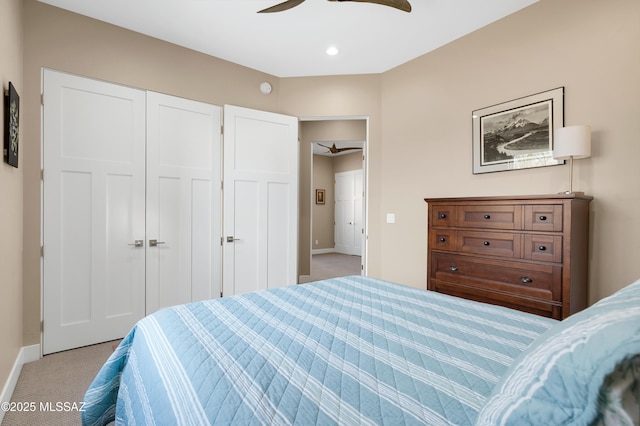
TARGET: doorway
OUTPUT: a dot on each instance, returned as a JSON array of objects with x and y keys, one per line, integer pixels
[{"x": 330, "y": 147}]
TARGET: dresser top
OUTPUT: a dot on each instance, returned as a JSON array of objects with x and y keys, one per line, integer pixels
[{"x": 561, "y": 196}]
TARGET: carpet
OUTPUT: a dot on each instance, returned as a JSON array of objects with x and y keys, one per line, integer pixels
[{"x": 49, "y": 391}]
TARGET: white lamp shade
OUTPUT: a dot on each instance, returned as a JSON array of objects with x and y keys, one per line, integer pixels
[{"x": 572, "y": 141}]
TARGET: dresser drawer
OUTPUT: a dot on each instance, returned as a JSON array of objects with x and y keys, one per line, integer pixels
[
  {"x": 543, "y": 248},
  {"x": 490, "y": 217},
  {"x": 543, "y": 217},
  {"x": 516, "y": 278},
  {"x": 442, "y": 239},
  {"x": 443, "y": 216},
  {"x": 545, "y": 308},
  {"x": 489, "y": 243}
]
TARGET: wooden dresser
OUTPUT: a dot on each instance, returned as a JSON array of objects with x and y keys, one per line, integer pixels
[{"x": 524, "y": 252}]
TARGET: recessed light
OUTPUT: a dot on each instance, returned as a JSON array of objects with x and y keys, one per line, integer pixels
[{"x": 332, "y": 51}]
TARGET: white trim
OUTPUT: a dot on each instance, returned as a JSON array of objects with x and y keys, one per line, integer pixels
[
  {"x": 26, "y": 354},
  {"x": 30, "y": 353},
  {"x": 323, "y": 251}
]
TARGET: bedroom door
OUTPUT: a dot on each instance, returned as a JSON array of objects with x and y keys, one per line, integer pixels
[
  {"x": 349, "y": 230},
  {"x": 183, "y": 222},
  {"x": 260, "y": 200},
  {"x": 93, "y": 210}
]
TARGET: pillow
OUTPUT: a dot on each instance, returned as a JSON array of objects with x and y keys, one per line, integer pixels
[{"x": 560, "y": 378}]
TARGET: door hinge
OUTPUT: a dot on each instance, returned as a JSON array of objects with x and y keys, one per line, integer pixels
[
  {"x": 220, "y": 294},
  {"x": 42, "y": 175},
  {"x": 41, "y": 98},
  {"x": 222, "y": 185},
  {"x": 41, "y": 251},
  {"x": 222, "y": 130},
  {"x": 41, "y": 326},
  {"x": 221, "y": 243}
]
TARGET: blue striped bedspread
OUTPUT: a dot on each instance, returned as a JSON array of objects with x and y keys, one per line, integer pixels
[{"x": 349, "y": 351}]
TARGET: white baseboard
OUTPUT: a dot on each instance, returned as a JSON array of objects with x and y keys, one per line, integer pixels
[
  {"x": 26, "y": 354},
  {"x": 323, "y": 251},
  {"x": 30, "y": 353}
]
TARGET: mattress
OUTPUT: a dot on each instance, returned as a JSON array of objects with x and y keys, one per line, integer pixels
[{"x": 352, "y": 350}]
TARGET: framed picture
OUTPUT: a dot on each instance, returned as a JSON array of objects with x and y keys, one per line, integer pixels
[
  {"x": 319, "y": 196},
  {"x": 517, "y": 134},
  {"x": 12, "y": 118}
]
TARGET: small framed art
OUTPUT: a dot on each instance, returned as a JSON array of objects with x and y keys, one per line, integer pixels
[
  {"x": 12, "y": 119},
  {"x": 319, "y": 196}
]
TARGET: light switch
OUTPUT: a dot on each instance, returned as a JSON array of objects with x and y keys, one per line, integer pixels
[{"x": 391, "y": 218}]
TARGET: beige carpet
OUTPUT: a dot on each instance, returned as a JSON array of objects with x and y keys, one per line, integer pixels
[
  {"x": 57, "y": 381},
  {"x": 332, "y": 265}
]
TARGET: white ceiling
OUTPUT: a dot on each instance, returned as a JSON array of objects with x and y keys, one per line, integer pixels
[{"x": 371, "y": 38}]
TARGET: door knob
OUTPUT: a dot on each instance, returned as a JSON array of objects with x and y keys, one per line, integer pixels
[
  {"x": 137, "y": 243},
  {"x": 230, "y": 239},
  {"x": 154, "y": 243}
]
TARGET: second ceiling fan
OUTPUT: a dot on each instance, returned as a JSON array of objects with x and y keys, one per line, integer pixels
[
  {"x": 403, "y": 5},
  {"x": 335, "y": 150}
]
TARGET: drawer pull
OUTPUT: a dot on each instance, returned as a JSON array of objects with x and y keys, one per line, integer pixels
[
  {"x": 543, "y": 218},
  {"x": 486, "y": 243},
  {"x": 487, "y": 216},
  {"x": 526, "y": 280},
  {"x": 453, "y": 268},
  {"x": 443, "y": 216},
  {"x": 443, "y": 239},
  {"x": 542, "y": 248}
]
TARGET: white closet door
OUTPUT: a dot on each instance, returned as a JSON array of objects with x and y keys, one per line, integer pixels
[
  {"x": 183, "y": 201},
  {"x": 260, "y": 200},
  {"x": 93, "y": 210}
]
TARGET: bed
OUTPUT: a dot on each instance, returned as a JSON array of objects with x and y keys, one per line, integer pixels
[{"x": 357, "y": 350}]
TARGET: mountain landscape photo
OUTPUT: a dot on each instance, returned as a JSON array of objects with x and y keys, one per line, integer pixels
[{"x": 515, "y": 133}]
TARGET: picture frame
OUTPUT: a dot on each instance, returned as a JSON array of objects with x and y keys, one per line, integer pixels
[
  {"x": 12, "y": 121},
  {"x": 517, "y": 134},
  {"x": 319, "y": 196}
]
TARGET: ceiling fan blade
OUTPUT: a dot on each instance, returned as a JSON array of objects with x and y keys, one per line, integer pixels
[
  {"x": 281, "y": 6},
  {"x": 403, "y": 5},
  {"x": 347, "y": 149}
]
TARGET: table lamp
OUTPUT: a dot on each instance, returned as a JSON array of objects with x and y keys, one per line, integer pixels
[{"x": 572, "y": 142}]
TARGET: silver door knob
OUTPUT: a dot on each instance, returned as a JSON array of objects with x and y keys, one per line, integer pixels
[
  {"x": 137, "y": 243},
  {"x": 154, "y": 243},
  {"x": 230, "y": 239}
]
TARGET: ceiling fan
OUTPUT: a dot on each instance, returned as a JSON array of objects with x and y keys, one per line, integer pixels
[
  {"x": 403, "y": 5},
  {"x": 335, "y": 150}
]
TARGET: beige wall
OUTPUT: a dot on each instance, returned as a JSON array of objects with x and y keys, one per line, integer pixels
[
  {"x": 324, "y": 171},
  {"x": 592, "y": 48},
  {"x": 323, "y": 214},
  {"x": 11, "y": 190}
]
